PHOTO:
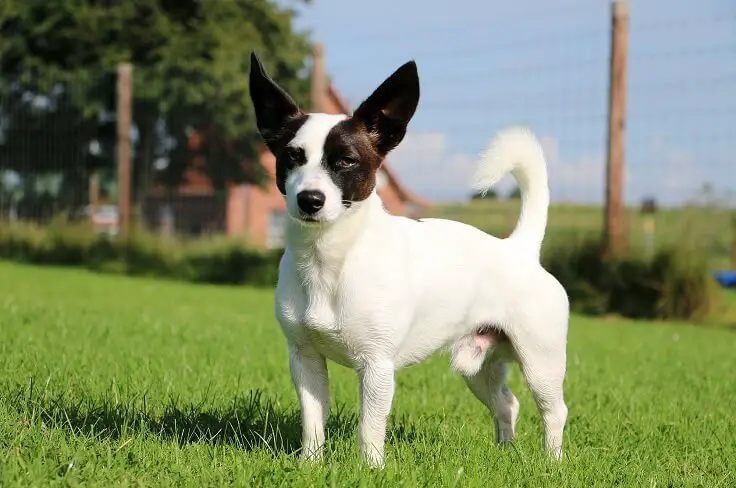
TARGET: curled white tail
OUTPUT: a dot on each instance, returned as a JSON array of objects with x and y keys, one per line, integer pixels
[{"x": 518, "y": 152}]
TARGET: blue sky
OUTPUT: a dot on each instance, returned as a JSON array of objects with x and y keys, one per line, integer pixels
[{"x": 486, "y": 65}]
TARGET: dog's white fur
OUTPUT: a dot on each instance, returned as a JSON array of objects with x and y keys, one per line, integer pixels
[{"x": 376, "y": 292}]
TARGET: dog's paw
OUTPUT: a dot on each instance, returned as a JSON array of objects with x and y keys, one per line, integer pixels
[
  {"x": 555, "y": 454},
  {"x": 373, "y": 460},
  {"x": 310, "y": 456}
]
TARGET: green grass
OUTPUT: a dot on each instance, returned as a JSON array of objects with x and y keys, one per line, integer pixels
[
  {"x": 707, "y": 229},
  {"x": 110, "y": 380}
]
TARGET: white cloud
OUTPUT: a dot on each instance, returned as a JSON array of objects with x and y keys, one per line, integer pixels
[
  {"x": 427, "y": 164},
  {"x": 580, "y": 180}
]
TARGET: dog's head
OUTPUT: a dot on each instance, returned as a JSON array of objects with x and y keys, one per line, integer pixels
[{"x": 327, "y": 163}]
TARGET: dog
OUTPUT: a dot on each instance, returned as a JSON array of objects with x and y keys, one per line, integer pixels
[{"x": 376, "y": 292}]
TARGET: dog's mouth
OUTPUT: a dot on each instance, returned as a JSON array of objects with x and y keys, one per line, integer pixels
[{"x": 307, "y": 220}]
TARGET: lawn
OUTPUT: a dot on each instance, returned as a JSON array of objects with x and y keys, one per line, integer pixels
[{"x": 109, "y": 380}]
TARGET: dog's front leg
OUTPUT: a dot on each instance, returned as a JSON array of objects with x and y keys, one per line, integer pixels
[
  {"x": 377, "y": 393},
  {"x": 309, "y": 374}
]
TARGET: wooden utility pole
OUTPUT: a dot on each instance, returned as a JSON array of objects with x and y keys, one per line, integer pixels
[
  {"x": 319, "y": 82},
  {"x": 124, "y": 124},
  {"x": 615, "y": 232}
]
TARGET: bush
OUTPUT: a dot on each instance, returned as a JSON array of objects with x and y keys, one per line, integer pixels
[
  {"x": 674, "y": 284},
  {"x": 62, "y": 243},
  {"x": 225, "y": 261},
  {"x": 687, "y": 289}
]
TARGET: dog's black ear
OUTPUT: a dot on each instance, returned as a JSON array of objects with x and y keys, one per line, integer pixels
[
  {"x": 273, "y": 106},
  {"x": 387, "y": 112}
]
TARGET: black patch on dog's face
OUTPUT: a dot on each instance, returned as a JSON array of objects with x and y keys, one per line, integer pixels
[
  {"x": 355, "y": 148},
  {"x": 351, "y": 160},
  {"x": 287, "y": 157}
]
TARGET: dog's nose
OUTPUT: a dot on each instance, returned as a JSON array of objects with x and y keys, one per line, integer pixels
[{"x": 310, "y": 201}]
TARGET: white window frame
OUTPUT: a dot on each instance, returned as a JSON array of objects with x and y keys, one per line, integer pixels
[{"x": 275, "y": 230}]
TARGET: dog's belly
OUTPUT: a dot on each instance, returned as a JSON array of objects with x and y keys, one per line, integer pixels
[{"x": 331, "y": 345}]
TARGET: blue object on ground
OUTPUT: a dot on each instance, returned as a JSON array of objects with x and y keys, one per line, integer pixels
[{"x": 726, "y": 279}]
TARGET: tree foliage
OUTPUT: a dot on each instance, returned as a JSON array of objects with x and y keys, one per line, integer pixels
[{"x": 190, "y": 58}]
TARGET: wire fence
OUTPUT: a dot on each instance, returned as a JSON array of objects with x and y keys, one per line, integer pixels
[
  {"x": 550, "y": 69},
  {"x": 51, "y": 142}
]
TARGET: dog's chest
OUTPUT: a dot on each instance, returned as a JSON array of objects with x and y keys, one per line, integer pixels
[
  {"x": 325, "y": 331},
  {"x": 311, "y": 310}
]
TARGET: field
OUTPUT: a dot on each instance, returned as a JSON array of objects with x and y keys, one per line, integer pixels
[
  {"x": 709, "y": 230},
  {"x": 120, "y": 381}
]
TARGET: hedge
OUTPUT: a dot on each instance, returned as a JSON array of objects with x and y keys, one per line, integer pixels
[
  {"x": 214, "y": 260},
  {"x": 673, "y": 284}
]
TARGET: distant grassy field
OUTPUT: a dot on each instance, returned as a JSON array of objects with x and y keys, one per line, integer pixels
[
  {"x": 109, "y": 380},
  {"x": 708, "y": 230}
]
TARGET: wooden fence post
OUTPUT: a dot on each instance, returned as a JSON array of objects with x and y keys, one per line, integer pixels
[
  {"x": 124, "y": 163},
  {"x": 615, "y": 232},
  {"x": 94, "y": 192}
]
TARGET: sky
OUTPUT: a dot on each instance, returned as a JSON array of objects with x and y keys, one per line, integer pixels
[{"x": 485, "y": 65}]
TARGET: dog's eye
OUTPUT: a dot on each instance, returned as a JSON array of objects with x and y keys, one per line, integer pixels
[
  {"x": 290, "y": 153},
  {"x": 292, "y": 156},
  {"x": 345, "y": 163}
]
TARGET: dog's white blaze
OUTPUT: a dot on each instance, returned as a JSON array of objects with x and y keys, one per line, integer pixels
[
  {"x": 312, "y": 134},
  {"x": 312, "y": 175}
]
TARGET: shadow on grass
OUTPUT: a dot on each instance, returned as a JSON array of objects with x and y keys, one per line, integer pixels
[{"x": 250, "y": 422}]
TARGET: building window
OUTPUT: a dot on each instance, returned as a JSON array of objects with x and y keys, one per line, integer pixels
[{"x": 276, "y": 221}]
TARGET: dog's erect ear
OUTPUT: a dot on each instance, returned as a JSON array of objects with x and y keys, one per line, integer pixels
[
  {"x": 273, "y": 106},
  {"x": 387, "y": 112}
]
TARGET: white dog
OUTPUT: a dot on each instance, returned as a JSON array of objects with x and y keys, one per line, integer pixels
[{"x": 375, "y": 292}]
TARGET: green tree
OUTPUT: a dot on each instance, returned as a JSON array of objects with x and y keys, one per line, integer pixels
[{"x": 190, "y": 58}]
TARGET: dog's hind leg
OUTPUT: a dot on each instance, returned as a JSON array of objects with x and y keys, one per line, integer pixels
[
  {"x": 544, "y": 370},
  {"x": 489, "y": 386}
]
